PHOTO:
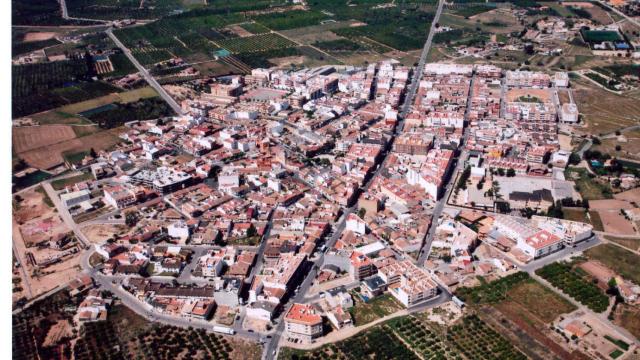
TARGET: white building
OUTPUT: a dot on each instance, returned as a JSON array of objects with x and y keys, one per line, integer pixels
[
  {"x": 569, "y": 113},
  {"x": 179, "y": 229},
  {"x": 540, "y": 244},
  {"x": 355, "y": 224},
  {"x": 571, "y": 232},
  {"x": 75, "y": 198}
]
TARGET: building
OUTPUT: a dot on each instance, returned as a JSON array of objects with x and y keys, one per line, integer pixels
[
  {"x": 561, "y": 79},
  {"x": 540, "y": 244},
  {"x": 569, "y": 113},
  {"x": 571, "y": 232},
  {"x": 163, "y": 180},
  {"x": 75, "y": 198},
  {"x": 408, "y": 283},
  {"x": 355, "y": 224},
  {"x": 527, "y": 79},
  {"x": 121, "y": 197},
  {"x": 303, "y": 322},
  {"x": 361, "y": 266}
]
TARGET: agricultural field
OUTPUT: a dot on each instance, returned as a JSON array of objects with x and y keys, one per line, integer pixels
[
  {"x": 42, "y": 88},
  {"x": 629, "y": 148},
  {"x": 375, "y": 343},
  {"x": 151, "y": 56},
  {"x": 563, "y": 276},
  {"x": 121, "y": 65},
  {"x": 33, "y": 137},
  {"x": 256, "y": 43},
  {"x": 31, "y": 327},
  {"x": 47, "y": 157},
  {"x": 425, "y": 341},
  {"x": 29, "y": 79},
  {"x": 122, "y": 9},
  {"x": 476, "y": 340},
  {"x": 410, "y": 338},
  {"x": 291, "y": 19},
  {"x": 40, "y": 12},
  {"x": 623, "y": 262},
  {"x": 19, "y": 48},
  {"x": 255, "y": 28},
  {"x": 124, "y": 334}
]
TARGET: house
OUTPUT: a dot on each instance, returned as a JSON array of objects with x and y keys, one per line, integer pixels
[{"x": 339, "y": 318}]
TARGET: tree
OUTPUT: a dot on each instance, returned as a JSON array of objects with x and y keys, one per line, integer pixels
[
  {"x": 511, "y": 172},
  {"x": 131, "y": 218},
  {"x": 251, "y": 231},
  {"x": 574, "y": 159},
  {"x": 618, "y": 147},
  {"x": 93, "y": 153},
  {"x": 500, "y": 171},
  {"x": 362, "y": 212}
]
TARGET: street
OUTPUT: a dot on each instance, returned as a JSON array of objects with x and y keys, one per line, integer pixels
[{"x": 165, "y": 96}]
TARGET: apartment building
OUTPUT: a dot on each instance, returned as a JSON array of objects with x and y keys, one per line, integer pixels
[{"x": 303, "y": 322}]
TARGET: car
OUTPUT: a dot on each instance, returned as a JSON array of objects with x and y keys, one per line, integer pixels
[
  {"x": 250, "y": 330},
  {"x": 268, "y": 336}
]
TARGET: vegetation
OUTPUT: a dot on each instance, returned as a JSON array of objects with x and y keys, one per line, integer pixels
[
  {"x": 144, "y": 109},
  {"x": 464, "y": 177},
  {"x": 44, "y": 86},
  {"x": 392, "y": 27},
  {"x": 60, "y": 184},
  {"x": 256, "y": 43},
  {"x": 290, "y": 19},
  {"x": 587, "y": 185},
  {"x": 19, "y": 48},
  {"x": 476, "y": 340},
  {"x": 39, "y": 12},
  {"x": 255, "y": 28},
  {"x": 376, "y": 308},
  {"x": 618, "y": 259},
  {"x": 261, "y": 59},
  {"x": 563, "y": 276},
  {"x": 491, "y": 292},
  {"x": 121, "y": 9},
  {"x": 339, "y": 45},
  {"x": 423, "y": 340}
]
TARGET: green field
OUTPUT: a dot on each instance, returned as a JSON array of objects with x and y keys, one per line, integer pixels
[{"x": 598, "y": 36}]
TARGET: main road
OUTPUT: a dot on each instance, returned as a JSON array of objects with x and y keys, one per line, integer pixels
[
  {"x": 271, "y": 347},
  {"x": 145, "y": 73}
]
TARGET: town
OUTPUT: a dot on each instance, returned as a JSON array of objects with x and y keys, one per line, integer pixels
[{"x": 440, "y": 209}]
